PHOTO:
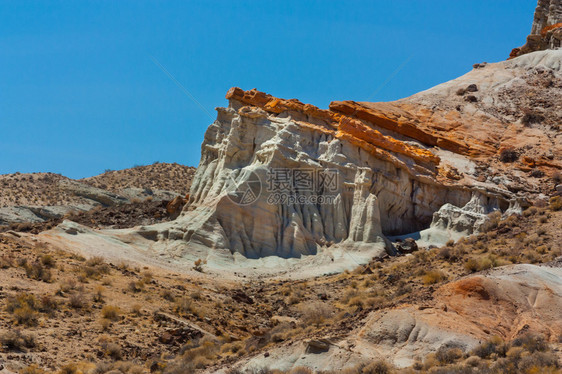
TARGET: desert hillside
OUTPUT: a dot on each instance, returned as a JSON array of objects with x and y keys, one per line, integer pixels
[
  {"x": 46, "y": 197},
  {"x": 158, "y": 176},
  {"x": 62, "y": 312}
]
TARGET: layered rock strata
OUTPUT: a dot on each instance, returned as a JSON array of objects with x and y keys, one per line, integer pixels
[
  {"x": 388, "y": 184},
  {"x": 546, "y": 32}
]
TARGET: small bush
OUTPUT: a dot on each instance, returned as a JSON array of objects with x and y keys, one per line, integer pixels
[
  {"x": 538, "y": 362},
  {"x": 114, "y": 351},
  {"x": 184, "y": 306},
  {"x": 556, "y": 203},
  {"x": 198, "y": 265},
  {"x": 531, "y": 117},
  {"x": 98, "y": 294},
  {"x": 315, "y": 313},
  {"x": 377, "y": 367},
  {"x": 433, "y": 276},
  {"x": 37, "y": 271},
  {"x": 15, "y": 340},
  {"x": 168, "y": 295},
  {"x": 48, "y": 305},
  {"x": 32, "y": 369},
  {"x": 69, "y": 369},
  {"x": 447, "y": 355},
  {"x": 135, "y": 287},
  {"x": 24, "y": 308},
  {"x": 77, "y": 301},
  {"x": 301, "y": 370},
  {"x": 445, "y": 253},
  {"x": 508, "y": 155},
  {"x": 493, "y": 346},
  {"x": 48, "y": 261},
  {"x": 531, "y": 343},
  {"x": 110, "y": 312},
  {"x": 136, "y": 310},
  {"x": 94, "y": 268}
]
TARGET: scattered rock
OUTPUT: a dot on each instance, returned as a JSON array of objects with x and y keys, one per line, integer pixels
[
  {"x": 408, "y": 245},
  {"x": 241, "y": 297},
  {"x": 316, "y": 346}
]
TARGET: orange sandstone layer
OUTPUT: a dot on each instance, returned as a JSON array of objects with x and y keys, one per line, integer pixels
[
  {"x": 393, "y": 118},
  {"x": 344, "y": 127}
]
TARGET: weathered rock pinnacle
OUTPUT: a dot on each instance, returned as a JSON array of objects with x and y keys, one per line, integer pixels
[{"x": 546, "y": 32}]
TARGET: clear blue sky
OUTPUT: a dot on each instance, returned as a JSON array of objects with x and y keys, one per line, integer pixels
[{"x": 79, "y": 92}]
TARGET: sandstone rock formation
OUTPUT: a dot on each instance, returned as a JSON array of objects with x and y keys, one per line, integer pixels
[
  {"x": 485, "y": 142},
  {"x": 546, "y": 32},
  {"x": 397, "y": 164},
  {"x": 433, "y": 157},
  {"x": 386, "y": 185}
]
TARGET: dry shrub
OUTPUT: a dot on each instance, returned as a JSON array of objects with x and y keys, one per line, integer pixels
[
  {"x": 556, "y": 203},
  {"x": 135, "y": 287},
  {"x": 111, "y": 349},
  {"x": 539, "y": 362},
  {"x": 111, "y": 312},
  {"x": 69, "y": 369},
  {"x": 48, "y": 305},
  {"x": 94, "y": 268},
  {"x": 15, "y": 340},
  {"x": 235, "y": 348},
  {"x": 433, "y": 276},
  {"x": 168, "y": 295},
  {"x": 67, "y": 285},
  {"x": 315, "y": 313},
  {"x": 301, "y": 370},
  {"x": 377, "y": 367},
  {"x": 77, "y": 301},
  {"x": 493, "y": 346},
  {"x": 184, "y": 306},
  {"x": 32, "y": 369},
  {"x": 195, "y": 357},
  {"x": 508, "y": 155},
  {"x": 6, "y": 262},
  {"x": 448, "y": 355},
  {"x": 98, "y": 294},
  {"x": 136, "y": 310},
  {"x": 48, "y": 261},
  {"x": 38, "y": 271},
  {"x": 24, "y": 308}
]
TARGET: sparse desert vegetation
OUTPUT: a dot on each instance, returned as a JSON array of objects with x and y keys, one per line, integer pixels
[{"x": 89, "y": 315}]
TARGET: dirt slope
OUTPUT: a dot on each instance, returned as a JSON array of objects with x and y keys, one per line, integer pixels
[{"x": 158, "y": 176}]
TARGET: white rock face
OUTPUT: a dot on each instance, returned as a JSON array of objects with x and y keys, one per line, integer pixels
[
  {"x": 372, "y": 198},
  {"x": 452, "y": 223}
]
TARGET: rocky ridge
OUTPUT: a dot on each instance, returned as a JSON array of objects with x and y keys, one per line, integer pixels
[{"x": 40, "y": 197}]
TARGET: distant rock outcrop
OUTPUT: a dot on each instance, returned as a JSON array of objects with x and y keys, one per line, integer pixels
[{"x": 546, "y": 32}]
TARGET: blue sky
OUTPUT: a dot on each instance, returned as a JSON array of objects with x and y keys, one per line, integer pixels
[{"x": 79, "y": 92}]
